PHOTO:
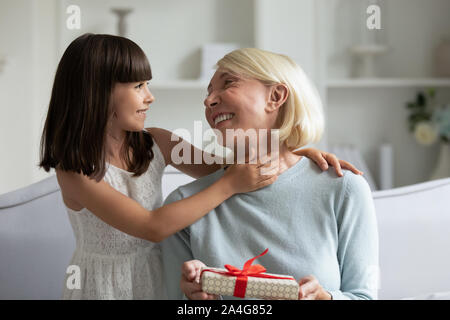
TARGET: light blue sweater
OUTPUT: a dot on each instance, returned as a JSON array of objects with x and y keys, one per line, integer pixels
[{"x": 313, "y": 222}]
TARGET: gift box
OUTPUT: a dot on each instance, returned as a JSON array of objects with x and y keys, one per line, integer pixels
[{"x": 250, "y": 282}]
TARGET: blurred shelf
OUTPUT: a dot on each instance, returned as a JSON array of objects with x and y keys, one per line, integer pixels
[
  {"x": 179, "y": 84},
  {"x": 388, "y": 82}
]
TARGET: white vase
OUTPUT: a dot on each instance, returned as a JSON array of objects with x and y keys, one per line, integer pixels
[{"x": 442, "y": 169}]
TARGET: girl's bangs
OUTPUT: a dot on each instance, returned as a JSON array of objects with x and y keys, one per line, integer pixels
[{"x": 133, "y": 66}]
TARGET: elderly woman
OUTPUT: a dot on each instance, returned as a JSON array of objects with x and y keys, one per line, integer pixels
[{"x": 319, "y": 228}]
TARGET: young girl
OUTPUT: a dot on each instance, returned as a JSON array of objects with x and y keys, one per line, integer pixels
[{"x": 109, "y": 169}]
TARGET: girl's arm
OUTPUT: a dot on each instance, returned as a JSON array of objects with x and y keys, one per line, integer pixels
[
  {"x": 163, "y": 138},
  {"x": 127, "y": 215},
  {"x": 188, "y": 166}
]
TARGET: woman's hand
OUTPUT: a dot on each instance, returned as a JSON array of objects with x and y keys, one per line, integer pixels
[
  {"x": 310, "y": 289},
  {"x": 244, "y": 178},
  {"x": 190, "y": 281},
  {"x": 323, "y": 159}
]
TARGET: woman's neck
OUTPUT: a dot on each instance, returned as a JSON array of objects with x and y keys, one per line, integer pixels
[
  {"x": 286, "y": 159},
  {"x": 290, "y": 159},
  {"x": 283, "y": 158}
]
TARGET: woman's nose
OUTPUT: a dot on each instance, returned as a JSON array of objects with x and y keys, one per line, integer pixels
[{"x": 211, "y": 100}]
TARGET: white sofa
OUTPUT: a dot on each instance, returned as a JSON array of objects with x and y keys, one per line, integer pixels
[
  {"x": 36, "y": 240},
  {"x": 414, "y": 235}
]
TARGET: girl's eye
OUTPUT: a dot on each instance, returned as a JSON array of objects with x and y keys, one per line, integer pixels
[{"x": 139, "y": 86}]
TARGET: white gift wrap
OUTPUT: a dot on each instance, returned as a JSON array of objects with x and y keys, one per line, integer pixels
[{"x": 260, "y": 288}]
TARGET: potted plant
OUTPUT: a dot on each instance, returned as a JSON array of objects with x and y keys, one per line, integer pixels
[{"x": 430, "y": 122}]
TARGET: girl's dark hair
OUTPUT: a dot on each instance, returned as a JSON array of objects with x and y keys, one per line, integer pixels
[{"x": 74, "y": 133}]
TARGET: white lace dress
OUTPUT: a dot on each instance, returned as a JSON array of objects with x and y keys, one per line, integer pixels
[{"x": 113, "y": 264}]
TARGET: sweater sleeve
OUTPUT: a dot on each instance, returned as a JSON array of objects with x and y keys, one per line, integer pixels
[
  {"x": 176, "y": 249},
  {"x": 357, "y": 241}
]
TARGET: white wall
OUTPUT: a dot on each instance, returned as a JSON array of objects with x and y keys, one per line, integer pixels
[
  {"x": 16, "y": 95},
  {"x": 27, "y": 38}
]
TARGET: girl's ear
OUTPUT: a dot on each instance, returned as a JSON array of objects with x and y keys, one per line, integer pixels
[{"x": 278, "y": 95}]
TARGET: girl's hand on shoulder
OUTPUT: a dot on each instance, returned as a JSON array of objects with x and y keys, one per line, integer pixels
[
  {"x": 246, "y": 177},
  {"x": 310, "y": 289},
  {"x": 324, "y": 159}
]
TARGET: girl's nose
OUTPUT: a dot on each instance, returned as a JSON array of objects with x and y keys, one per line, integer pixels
[{"x": 149, "y": 98}]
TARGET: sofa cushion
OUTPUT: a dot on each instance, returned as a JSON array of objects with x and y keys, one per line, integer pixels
[
  {"x": 413, "y": 226},
  {"x": 36, "y": 242}
]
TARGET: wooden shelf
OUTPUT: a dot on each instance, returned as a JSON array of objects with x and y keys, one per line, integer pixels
[{"x": 388, "y": 82}]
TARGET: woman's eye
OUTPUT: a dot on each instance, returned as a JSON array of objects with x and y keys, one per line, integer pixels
[
  {"x": 139, "y": 86},
  {"x": 229, "y": 82}
]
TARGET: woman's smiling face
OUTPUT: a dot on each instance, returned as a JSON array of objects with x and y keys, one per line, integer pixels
[{"x": 237, "y": 102}]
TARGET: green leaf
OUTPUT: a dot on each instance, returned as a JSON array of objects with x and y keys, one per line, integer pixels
[
  {"x": 421, "y": 100},
  {"x": 411, "y": 105},
  {"x": 431, "y": 92}
]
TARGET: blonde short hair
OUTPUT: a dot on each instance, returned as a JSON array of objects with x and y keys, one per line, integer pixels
[{"x": 300, "y": 119}]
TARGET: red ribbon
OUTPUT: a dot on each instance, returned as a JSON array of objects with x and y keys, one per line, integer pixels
[{"x": 256, "y": 270}]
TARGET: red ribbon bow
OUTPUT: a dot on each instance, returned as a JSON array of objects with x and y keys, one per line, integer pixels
[{"x": 256, "y": 270}]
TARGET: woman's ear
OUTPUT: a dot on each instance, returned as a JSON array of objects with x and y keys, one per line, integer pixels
[{"x": 278, "y": 95}]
